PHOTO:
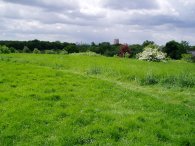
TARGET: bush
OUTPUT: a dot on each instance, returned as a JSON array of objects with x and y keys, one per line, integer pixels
[
  {"x": 181, "y": 80},
  {"x": 13, "y": 50},
  {"x": 4, "y": 50},
  {"x": 26, "y": 50},
  {"x": 151, "y": 54},
  {"x": 88, "y": 53},
  {"x": 193, "y": 58},
  {"x": 64, "y": 52},
  {"x": 36, "y": 51},
  {"x": 149, "y": 79},
  {"x": 50, "y": 52},
  {"x": 187, "y": 57}
]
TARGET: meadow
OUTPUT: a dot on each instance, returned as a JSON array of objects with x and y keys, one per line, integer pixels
[{"x": 82, "y": 99}]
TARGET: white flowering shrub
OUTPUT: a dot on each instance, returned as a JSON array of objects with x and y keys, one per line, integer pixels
[{"x": 151, "y": 54}]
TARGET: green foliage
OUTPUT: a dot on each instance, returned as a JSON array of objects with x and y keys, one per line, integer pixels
[
  {"x": 185, "y": 45},
  {"x": 147, "y": 42},
  {"x": 127, "y": 55},
  {"x": 36, "y": 51},
  {"x": 187, "y": 57},
  {"x": 88, "y": 53},
  {"x": 135, "y": 49},
  {"x": 4, "y": 50},
  {"x": 64, "y": 52},
  {"x": 104, "y": 48},
  {"x": 71, "y": 48},
  {"x": 50, "y": 52},
  {"x": 26, "y": 50},
  {"x": 184, "y": 80},
  {"x": 12, "y": 50},
  {"x": 175, "y": 49},
  {"x": 149, "y": 79}
]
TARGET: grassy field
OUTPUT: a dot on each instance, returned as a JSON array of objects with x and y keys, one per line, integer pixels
[{"x": 95, "y": 100}]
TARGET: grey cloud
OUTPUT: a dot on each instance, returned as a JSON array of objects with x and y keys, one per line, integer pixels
[
  {"x": 74, "y": 17},
  {"x": 133, "y": 21},
  {"x": 131, "y": 4},
  {"x": 48, "y": 5},
  {"x": 151, "y": 20}
]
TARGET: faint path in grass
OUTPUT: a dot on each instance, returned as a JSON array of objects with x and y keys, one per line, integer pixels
[{"x": 172, "y": 96}]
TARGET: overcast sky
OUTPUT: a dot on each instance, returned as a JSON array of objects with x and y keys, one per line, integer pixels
[{"x": 132, "y": 21}]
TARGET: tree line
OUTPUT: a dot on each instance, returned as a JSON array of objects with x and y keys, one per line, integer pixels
[{"x": 173, "y": 48}]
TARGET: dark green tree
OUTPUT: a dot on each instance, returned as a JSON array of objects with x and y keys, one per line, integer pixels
[
  {"x": 147, "y": 42},
  {"x": 72, "y": 48},
  {"x": 185, "y": 45},
  {"x": 174, "y": 49},
  {"x": 135, "y": 49}
]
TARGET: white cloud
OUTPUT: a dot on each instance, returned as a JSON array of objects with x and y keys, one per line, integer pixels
[{"x": 98, "y": 20}]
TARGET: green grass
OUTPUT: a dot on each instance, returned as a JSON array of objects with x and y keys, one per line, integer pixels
[{"x": 95, "y": 100}]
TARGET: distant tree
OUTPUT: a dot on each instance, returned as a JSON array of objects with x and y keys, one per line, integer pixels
[
  {"x": 64, "y": 52},
  {"x": 147, "y": 42},
  {"x": 13, "y": 50},
  {"x": 4, "y": 50},
  {"x": 124, "y": 51},
  {"x": 135, "y": 49},
  {"x": 92, "y": 44},
  {"x": 174, "y": 49},
  {"x": 36, "y": 51},
  {"x": 83, "y": 47},
  {"x": 50, "y": 52},
  {"x": 103, "y": 48},
  {"x": 72, "y": 48},
  {"x": 26, "y": 49},
  {"x": 185, "y": 45}
]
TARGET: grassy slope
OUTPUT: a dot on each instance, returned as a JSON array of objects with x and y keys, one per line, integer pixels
[{"x": 75, "y": 100}]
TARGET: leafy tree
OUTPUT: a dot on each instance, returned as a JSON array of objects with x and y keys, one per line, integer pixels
[
  {"x": 36, "y": 51},
  {"x": 4, "y": 50},
  {"x": 147, "y": 42},
  {"x": 12, "y": 50},
  {"x": 103, "y": 47},
  {"x": 26, "y": 49},
  {"x": 185, "y": 45},
  {"x": 63, "y": 52},
  {"x": 71, "y": 48},
  {"x": 174, "y": 49},
  {"x": 83, "y": 47},
  {"x": 124, "y": 51},
  {"x": 50, "y": 52},
  {"x": 135, "y": 49},
  {"x": 92, "y": 44}
]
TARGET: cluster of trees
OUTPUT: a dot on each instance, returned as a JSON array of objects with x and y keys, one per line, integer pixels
[
  {"x": 104, "y": 48},
  {"x": 173, "y": 49}
]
